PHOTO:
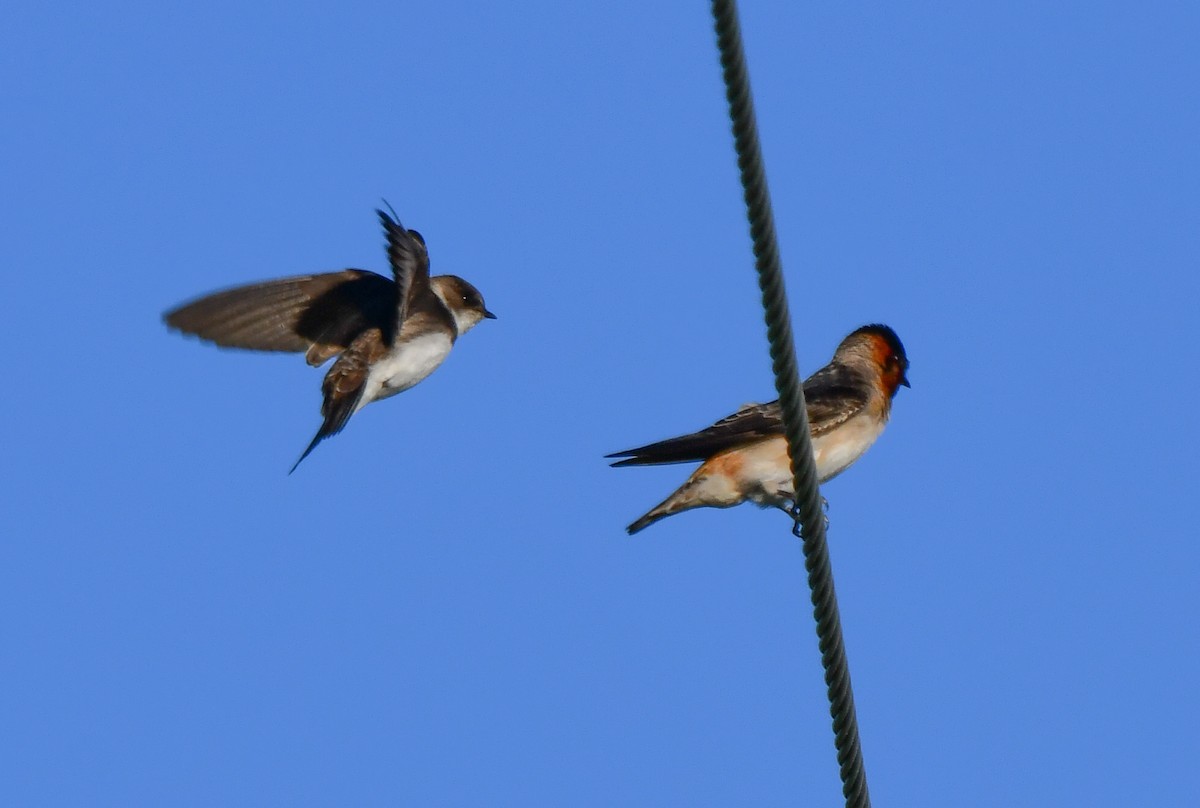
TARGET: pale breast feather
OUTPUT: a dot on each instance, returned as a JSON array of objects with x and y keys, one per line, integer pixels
[
  {"x": 413, "y": 360},
  {"x": 836, "y": 451}
]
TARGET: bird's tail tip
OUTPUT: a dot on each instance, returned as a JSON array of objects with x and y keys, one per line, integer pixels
[
  {"x": 312, "y": 445},
  {"x": 660, "y": 511},
  {"x": 640, "y": 524}
]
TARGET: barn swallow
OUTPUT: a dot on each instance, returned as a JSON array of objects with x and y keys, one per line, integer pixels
[
  {"x": 746, "y": 455},
  {"x": 387, "y": 335}
]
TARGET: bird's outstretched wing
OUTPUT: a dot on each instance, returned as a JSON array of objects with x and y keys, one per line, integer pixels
[
  {"x": 409, "y": 260},
  {"x": 317, "y": 314}
]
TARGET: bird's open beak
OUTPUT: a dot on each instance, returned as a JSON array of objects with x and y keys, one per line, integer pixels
[
  {"x": 488, "y": 315},
  {"x": 904, "y": 381}
]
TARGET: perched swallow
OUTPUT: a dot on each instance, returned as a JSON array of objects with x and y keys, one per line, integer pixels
[
  {"x": 745, "y": 455},
  {"x": 387, "y": 335}
]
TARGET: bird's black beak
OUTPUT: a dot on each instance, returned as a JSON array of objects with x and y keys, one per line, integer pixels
[
  {"x": 904, "y": 381},
  {"x": 488, "y": 315}
]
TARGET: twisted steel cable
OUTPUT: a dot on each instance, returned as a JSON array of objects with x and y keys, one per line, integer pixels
[{"x": 808, "y": 510}]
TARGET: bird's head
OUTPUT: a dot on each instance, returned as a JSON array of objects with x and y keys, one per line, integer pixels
[
  {"x": 879, "y": 346},
  {"x": 464, "y": 301}
]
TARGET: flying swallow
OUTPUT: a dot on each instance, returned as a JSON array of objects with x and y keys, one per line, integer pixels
[
  {"x": 746, "y": 455},
  {"x": 387, "y": 334}
]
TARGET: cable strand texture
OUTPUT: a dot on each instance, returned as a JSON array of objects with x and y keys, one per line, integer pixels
[{"x": 808, "y": 511}]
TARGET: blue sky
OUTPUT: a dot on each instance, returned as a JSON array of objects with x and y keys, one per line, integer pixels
[{"x": 441, "y": 607}]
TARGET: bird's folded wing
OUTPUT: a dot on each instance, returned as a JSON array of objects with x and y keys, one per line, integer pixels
[
  {"x": 832, "y": 396},
  {"x": 750, "y": 423}
]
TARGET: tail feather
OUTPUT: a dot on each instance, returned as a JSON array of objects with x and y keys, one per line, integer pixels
[
  {"x": 713, "y": 485},
  {"x": 682, "y": 499},
  {"x": 336, "y": 411},
  {"x": 320, "y": 436},
  {"x": 335, "y": 422},
  {"x": 651, "y": 516}
]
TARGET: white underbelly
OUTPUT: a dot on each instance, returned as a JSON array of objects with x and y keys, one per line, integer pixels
[
  {"x": 416, "y": 359},
  {"x": 765, "y": 475},
  {"x": 835, "y": 451},
  {"x": 764, "y": 472}
]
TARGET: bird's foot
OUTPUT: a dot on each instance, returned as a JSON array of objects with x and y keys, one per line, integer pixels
[{"x": 793, "y": 511}]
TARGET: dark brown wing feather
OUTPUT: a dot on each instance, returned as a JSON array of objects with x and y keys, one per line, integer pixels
[
  {"x": 409, "y": 260},
  {"x": 750, "y": 422},
  {"x": 322, "y": 312},
  {"x": 833, "y": 395}
]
